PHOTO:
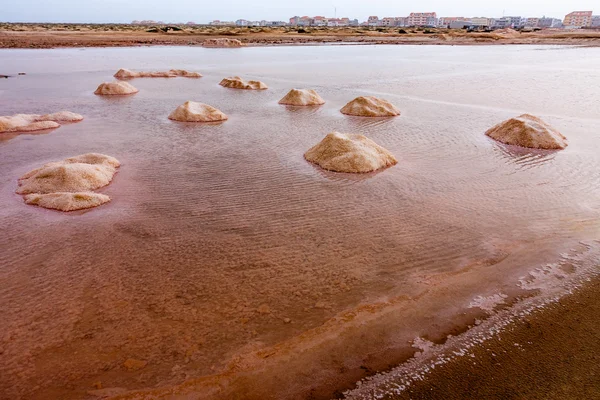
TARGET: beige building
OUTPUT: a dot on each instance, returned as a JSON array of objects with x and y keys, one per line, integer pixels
[
  {"x": 422, "y": 19},
  {"x": 578, "y": 19}
]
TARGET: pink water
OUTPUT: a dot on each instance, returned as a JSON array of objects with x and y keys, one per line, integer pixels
[{"x": 217, "y": 234}]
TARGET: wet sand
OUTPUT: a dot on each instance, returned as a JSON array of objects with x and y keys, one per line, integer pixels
[
  {"x": 114, "y": 35},
  {"x": 553, "y": 353}
]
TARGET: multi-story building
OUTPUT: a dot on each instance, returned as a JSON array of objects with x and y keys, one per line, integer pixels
[
  {"x": 479, "y": 21},
  {"x": 242, "y": 22},
  {"x": 373, "y": 20},
  {"x": 578, "y": 19},
  {"x": 501, "y": 23},
  {"x": 388, "y": 21},
  {"x": 532, "y": 22},
  {"x": 549, "y": 22},
  {"x": 319, "y": 21},
  {"x": 595, "y": 21},
  {"x": 444, "y": 22},
  {"x": 422, "y": 19},
  {"x": 222, "y": 23},
  {"x": 516, "y": 22}
]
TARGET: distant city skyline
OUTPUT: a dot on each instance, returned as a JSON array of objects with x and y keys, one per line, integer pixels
[{"x": 118, "y": 11}]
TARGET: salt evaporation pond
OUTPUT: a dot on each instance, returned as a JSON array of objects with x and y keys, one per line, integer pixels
[{"x": 230, "y": 265}]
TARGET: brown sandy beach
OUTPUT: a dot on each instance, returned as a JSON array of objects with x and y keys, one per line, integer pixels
[
  {"x": 112, "y": 35},
  {"x": 551, "y": 354}
]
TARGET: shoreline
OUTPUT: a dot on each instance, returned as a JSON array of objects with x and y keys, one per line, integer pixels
[
  {"x": 551, "y": 353},
  {"x": 46, "y": 36},
  {"x": 538, "y": 349}
]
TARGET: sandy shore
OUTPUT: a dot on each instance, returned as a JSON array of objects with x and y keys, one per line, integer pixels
[
  {"x": 79, "y": 35},
  {"x": 552, "y": 353}
]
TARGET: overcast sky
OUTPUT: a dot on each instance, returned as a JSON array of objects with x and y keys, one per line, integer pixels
[{"x": 204, "y": 11}]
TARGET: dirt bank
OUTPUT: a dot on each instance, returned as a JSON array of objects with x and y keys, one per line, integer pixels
[{"x": 112, "y": 35}]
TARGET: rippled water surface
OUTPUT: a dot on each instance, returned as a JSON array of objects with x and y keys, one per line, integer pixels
[{"x": 221, "y": 240}]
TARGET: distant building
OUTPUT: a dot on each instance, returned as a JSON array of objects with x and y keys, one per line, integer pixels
[
  {"x": 595, "y": 21},
  {"x": 532, "y": 22},
  {"x": 480, "y": 21},
  {"x": 459, "y": 24},
  {"x": 319, "y": 21},
  {"x": 191, "y": 23},
  {"x": 373, "y": 20},
  {"x": 388, "y": 21},
  {"x": 222, "y": 23},
  {"x": 549, "y": 22},
  {"x": 242, "y": 22},
  {"x": 422, "y": 19},
  {"x": 294, "y": 20},
  {"x": 502, "y": 23},
  {"x": 516, "y": 22},
  {"x": 444, "y": 22},
  {"x": 578, "y": 19}
]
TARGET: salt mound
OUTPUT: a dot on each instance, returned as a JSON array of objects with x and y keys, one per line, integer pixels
[
  {"x": 222, "y": 42},
  {"x": 81, "y": 173},
  {"x": 128, "y": 74},
  {"x": 238, "y": 83},
  {"x": 302, "y": 97},
  {"x": 65, "y": 185},
  {"x": 528, "y": 131},
  {"x": 65, "y": 201},
  {"x": 369, "y": 106},
  {"x": 184, "y": 73},
  {"x": 190, "y": 111},
  {"x": 35, "y": 122},
  {"x": 115, "y": 88},
  {"x": 61, "y": 116},
  {"x": 349, "y": 153}
]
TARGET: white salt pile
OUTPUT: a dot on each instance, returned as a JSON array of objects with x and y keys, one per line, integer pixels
[
  {"x": 66, "y": 185},
  {"x": 528, "y": 131},
  {"x": 302, "y": 97},
  {"x": 35, "y": 122},
  {"x": 238, "y": 83},
  {"x": 191, "y": 111},
  {"x": 349, "y": 153},
  {"x": 115, "y": 89},
  {"x": 173, "y": 73},
  {"x": 369, "y": 106}
]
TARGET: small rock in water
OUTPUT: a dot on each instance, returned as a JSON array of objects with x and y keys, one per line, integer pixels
[{"x": 22, "y": 73}]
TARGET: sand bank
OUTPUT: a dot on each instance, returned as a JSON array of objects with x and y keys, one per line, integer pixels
[{"x": 110, "y": 35}]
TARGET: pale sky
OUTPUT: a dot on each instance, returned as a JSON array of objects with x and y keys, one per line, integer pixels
[{"x": 204, "y": 11}]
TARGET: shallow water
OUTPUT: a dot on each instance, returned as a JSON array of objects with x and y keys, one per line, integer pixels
[{"x": 218, "y": 233}]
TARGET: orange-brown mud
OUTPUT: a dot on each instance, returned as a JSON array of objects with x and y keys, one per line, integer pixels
[{"x": 112, "y": 35}]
